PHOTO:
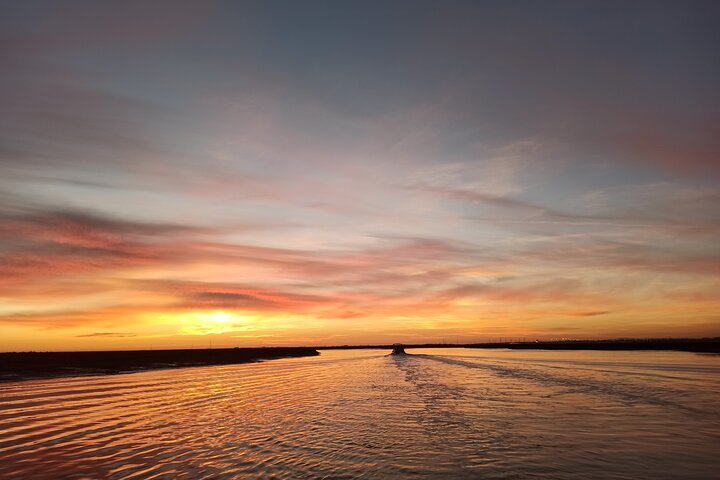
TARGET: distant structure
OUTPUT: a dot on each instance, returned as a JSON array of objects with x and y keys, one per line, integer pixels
[{"x": 398, "y": 349}]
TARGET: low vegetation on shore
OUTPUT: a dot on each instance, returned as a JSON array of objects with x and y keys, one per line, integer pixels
[{"x": 27, "y": 365}]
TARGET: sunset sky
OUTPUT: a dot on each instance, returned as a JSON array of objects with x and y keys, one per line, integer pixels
[{"x": 348, "y": 172}]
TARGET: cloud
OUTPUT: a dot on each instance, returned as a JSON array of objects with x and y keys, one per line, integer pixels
[
  {"x": 108, "y": 335},
  {"x": 84, "y": 230},
  {"x": 557, "y": 290},
  {"x": 207, "y": 295},
  {"x": 588, "y": 314},
  {"x": 601, "y": 255},
  {"x": 41, "y": 244},
  {"x": 526, "y": 209},
  {"x": 663, "y": 209}
]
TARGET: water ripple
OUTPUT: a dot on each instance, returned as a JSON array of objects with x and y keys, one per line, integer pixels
[{"x": 361, "y": 414}]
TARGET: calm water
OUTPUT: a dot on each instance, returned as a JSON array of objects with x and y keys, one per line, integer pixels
[{"x": 450, "y": 413}]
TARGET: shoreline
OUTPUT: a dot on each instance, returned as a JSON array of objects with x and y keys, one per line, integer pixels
[
  {"x": 20, "y": 366},
  {"x": 692, "y": 346},
  {"x": 703, "y": 345}
]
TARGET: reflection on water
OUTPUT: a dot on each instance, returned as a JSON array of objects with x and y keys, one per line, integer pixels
[{"x": 445, "y": 413}]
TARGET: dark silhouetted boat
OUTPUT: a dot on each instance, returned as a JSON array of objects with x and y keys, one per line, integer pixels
[{"x": 398, "y": 349}]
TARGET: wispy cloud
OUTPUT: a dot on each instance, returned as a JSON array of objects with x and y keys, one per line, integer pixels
[{"x": 108, "y": 335}]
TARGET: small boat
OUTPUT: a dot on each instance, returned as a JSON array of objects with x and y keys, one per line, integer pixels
[{"x": 398, "y": 349}]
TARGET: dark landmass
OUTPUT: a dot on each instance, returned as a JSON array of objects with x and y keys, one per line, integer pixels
[
  {"x": 703, "y": 345},
  {"x": 31, "y": 365},
  {"x": 699, "y": 345}
]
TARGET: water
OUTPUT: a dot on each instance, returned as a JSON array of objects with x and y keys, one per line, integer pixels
[{"x": 445, "y": 413}]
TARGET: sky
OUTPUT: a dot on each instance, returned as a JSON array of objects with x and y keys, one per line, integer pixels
[{"x": 184, "y": 174}]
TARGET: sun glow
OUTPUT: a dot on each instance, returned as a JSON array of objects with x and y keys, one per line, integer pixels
[{"x": 209, "y": 322}]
